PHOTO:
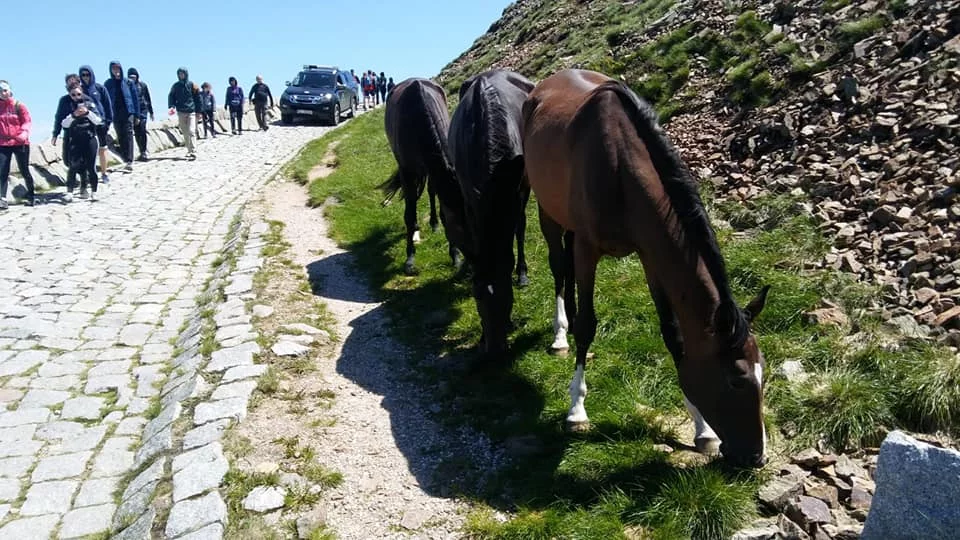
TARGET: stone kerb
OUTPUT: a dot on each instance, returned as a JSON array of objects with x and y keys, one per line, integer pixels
[{"x": 49, "y": 171}]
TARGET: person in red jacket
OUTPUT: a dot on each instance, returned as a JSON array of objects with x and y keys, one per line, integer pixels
[{"x": 14, "y": 142}]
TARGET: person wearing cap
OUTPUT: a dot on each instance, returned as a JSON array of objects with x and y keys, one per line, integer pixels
[
  {"x": 126, "y": 111},
  {"x": 146, "y": 108},
  {"x": 101, "y": 98},
  {"x": 14, "y": 142}
]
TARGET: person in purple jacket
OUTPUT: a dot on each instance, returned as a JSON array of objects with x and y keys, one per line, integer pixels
[{"x": 234, "y": 103}]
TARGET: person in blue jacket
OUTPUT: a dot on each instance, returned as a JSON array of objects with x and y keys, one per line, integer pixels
[
  {"x": 126, "y": 110},
  {"x": 98, "y": 94}
]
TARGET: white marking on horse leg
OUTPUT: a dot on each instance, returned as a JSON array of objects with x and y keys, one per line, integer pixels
[
  {"x": 703, "y": 431},
  {"x": 578, "y": 392},
  {"x": 416, "y": 237},
  {"x": 758, "y": 373},
  {"x": 490, "y": 289},
  {"x": 560, "y": 327}
]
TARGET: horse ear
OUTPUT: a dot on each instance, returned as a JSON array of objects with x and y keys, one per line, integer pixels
[
  {"x": 725, "y": 319},
  {"x": 466, "y": 85},
  {"x": 756, "y": 305}
]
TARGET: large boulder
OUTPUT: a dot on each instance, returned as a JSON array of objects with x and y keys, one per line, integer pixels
[{"x": 918, "y": 489}]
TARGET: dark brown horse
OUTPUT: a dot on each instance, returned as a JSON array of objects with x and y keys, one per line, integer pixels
[
  {"x": 416, "y": 123},
  {"x": 487, "y": 153},
  {"x": 607, "y": 178}
]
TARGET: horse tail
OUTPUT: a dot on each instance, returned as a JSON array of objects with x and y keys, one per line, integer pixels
[
  {"x": 682, "y": 191},
  {"x": 391, "y": 187}
]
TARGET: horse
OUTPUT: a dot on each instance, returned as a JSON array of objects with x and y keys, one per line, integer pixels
[
  {"x": 416, "y": 122},
  {"x": 487, "y": 153},
  {"x": 609, "y": 182}
]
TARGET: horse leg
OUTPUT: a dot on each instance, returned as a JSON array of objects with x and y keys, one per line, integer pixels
[
  {"x": 569, "y": 282},
  {"x": 521, "y": 232},
  {"x": 553, "y": 235},
  {"x": 585, "y": 329},
  {"x": 454, "y": 253},
  {"x": 413, "y": 230},
  {"x": 432, "y": 194}
]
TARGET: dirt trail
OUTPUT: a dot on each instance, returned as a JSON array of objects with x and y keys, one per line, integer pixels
[{"x": 376, "y": 431}]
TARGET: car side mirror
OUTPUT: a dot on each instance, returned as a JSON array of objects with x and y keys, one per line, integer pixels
[{"x": 341, "y": 86}]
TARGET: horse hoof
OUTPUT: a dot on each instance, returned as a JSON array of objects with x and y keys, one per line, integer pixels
[
  {"x": 523, "y": 281},
  {"x": 578, "y": 427},
  {"x": 416, "y": 237},
  {"x": 409, "y": 269},
  {"x": 562, "y": 352},
  {"x": 707, "y": 446}
]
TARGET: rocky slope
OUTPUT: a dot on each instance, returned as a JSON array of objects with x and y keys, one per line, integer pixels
[{"x": 847, "y": 111}]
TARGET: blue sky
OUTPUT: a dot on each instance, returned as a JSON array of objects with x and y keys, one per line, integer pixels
[{"x": 215, "y": 40}]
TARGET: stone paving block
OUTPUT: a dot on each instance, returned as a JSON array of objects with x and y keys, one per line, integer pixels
[
  {"x": 241, "y": 389},
  {"x": 115, "y": 458},
  {"x": 9, "y": 489},
  {"x": 58, "y": 368},
  {"x": 153, "y": 446},
  {"x": 166, "y": 417},
  {"x": 20, "y": 448},
  {"x": 190, "y": 515},
  {"x": 139, "y": 529},
  {"x": 48, "y": 498},
  {"x": 147, "y": 378},
  {"x": 16, "y": 467},
  {"x": 52, "y": 431},
  {"x": 214, "y": 531},
  {"x": 234, "y": 408},
  {"x": 66, "y": 382},
  {"x": 205, "y": 434},
  {"x": 101, "y": 333},
  {"x": 60, "y": 467},
  {"x": 19, "y": 433},
  {"x": 243, "y": 372},
  {"x": 115, "y": 367},
  {"x": 116, "y": 353},
  {"x": 229, "y": 332},
  {"x": 8, "y": 395},
  {"x": 135, "y": 334},
  {"x": 22, "y": 362},
  {"x": 85, "y": 521},
  {"x": 34, "y": 527},
  {"x": 97, "y": 491},
  {"x": 4, "y": 510},
  {"x": 198, "y": 470},
  {"x": 224, "y": 359},
  {"x": 105, "y": 383},
  {"x": 20, "y": 417},
  {"x": 85, "y": 408},
  {"x": 88, "y": 439},
  {"x": 131, "y": 426},
  {"x": 43, "y": 398}
]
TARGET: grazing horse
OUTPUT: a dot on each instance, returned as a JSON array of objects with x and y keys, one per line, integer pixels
[
  {"x": 487, "y": 153},
  {"x": 416, "y": 123},
  {"x": 608, "y": 182}
]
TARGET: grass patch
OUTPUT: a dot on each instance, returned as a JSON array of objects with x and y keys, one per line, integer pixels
[
  {"x": 312, "y": 154},
  {"x": 269, "y": 382},
  {"x": 854, "y": 31},
  {"x": 597, "y": 484},
  {"x": 322, "y": 476}
]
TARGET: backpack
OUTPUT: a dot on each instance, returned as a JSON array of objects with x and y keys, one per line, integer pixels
[{"x": 261, "y": 93}]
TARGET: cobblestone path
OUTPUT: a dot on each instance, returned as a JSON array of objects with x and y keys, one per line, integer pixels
[{"x": 90, "y": 296}]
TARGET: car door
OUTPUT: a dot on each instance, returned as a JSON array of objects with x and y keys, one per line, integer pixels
[{"x": 343, "y": 94}]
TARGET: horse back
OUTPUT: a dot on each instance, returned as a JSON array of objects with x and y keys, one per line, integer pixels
[{"x": 416, "y": 122}]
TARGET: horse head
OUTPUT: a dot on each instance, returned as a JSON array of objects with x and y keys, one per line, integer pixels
[{"x": 724, "y": 380}]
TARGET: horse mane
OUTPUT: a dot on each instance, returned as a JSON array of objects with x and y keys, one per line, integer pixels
[{"x": 682, "y": 192}]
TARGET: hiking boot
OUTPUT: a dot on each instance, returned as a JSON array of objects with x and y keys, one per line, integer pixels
[
  {"x": 142, "y": 157},
  {"x": 68, "y": 197},
  {"x": 93, "y": 196},
  {"x": 104, "y": 179},
  {"x": 84, "y": 194},
  {"x": 29, "y": 202},
  {"x": 3, "y": 204},
  {"x": 128, "y": 167}
]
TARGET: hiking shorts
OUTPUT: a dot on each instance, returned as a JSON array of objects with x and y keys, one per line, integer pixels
[{"x": 102, "y": 135}]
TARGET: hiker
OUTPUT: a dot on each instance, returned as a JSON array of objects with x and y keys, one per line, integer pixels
[
  {"x": 81, "y": 143},
  {"x": 14, "y": 142},
  {"x": 390, "y": 85},
  {"x": 233, "y": 102},
  {"x": 126, "y": 109},
  {"x": 146, "y": 107},
  {"x": 367, "y": 86},
  {"x": 96, "y": 92},
  {"x": 382, "y": 87},
  {"x": 196, "y": 96},
  {"x": 259, "y": 95},
  {"x": 208, "y": 107},
  {"x": 64, "y": 107},
  {"x": 185, "y": 104}
]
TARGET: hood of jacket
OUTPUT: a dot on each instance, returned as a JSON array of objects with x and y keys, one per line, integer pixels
[
  {"x": 93, "y": 77},
  {"x": 133, "y": 71},
  {"x": 186, "y": 74},
  {"x": 110, "y": 68}
]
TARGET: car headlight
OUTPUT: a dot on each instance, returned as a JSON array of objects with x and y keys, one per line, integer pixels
[{"x": 328, "y": 96}]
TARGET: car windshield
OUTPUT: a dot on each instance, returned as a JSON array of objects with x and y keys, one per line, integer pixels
[{"x": 312, "y": 79}]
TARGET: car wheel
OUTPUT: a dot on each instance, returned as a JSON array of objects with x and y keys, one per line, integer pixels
[
  {"x": 353, "y": 110},
  {"x": 336, "y": 115},
  {"x": 286, "y": 118}
]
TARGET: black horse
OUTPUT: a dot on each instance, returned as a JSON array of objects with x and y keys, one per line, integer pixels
[
  {"x": 416, "y": 124},
  {"x": 487, "y": 150}
]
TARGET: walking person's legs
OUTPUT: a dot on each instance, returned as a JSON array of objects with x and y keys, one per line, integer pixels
[
  {"x": 102, "y": 140},
  {"x": 240, "y": 120},
  {"x": 22, "y": 154},
  {"x": 90, "y": 170},
  {"x": 124, "y": 128},
  {"x": 260, "y": 109},
  {"x": 140, "y": 134},
  {"x": 6, "y": 154},
  {"x": 186, "y": 127}
]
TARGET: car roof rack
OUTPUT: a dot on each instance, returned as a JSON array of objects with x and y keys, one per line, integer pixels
[{"x": 316, "y": 66}]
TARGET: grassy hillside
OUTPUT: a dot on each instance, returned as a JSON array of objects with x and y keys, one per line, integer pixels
[{"x": 629, "y": 476}]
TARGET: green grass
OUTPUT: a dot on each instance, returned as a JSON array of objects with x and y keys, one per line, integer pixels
[
  {"x": 853, "y": 31},
  {"x": 599, "y": 483}
]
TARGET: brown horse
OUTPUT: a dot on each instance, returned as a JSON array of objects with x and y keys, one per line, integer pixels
[
  {"x": 416, "y": 122},
  {"x": 487, "y": 152},
  {"x": 610, "y": 183}
]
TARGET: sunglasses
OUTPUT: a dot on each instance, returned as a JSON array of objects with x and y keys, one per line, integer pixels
[
  {"x": 76, "y": 94},
  {"x": 85, "y": 75}
]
